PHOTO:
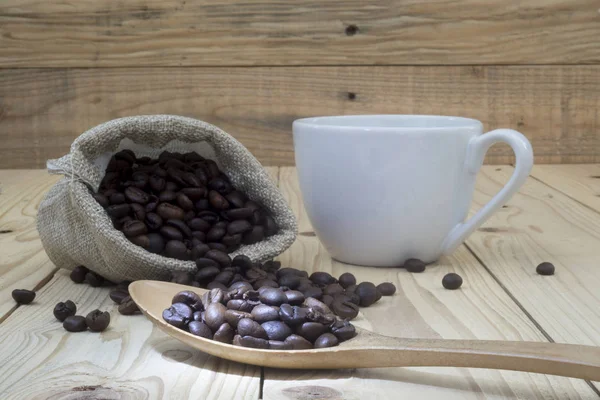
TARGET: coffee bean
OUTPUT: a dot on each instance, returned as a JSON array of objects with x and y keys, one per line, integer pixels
[
  {"x": 326, "y": 340},
  {"x": 249, "y": 327},
  {"x": 270, "y": 226},
  {"x": 97, "y": 320},
  {"x": 219, "y": 256},
  {"x": 238, "y": 226},
  {"x": 216, "y": 285},
  {"x": 75, "y": 323},
  {"x": 451, "y": 281},
  {"x": 252, "y": 204},
  {"x": 213, "y": 296},
  {"x": 263, "y": 313},
  {"x": 157, "y": 183},
  {"x": 215, "y": 234},
  {"x": 236, "y": 198},
  {"x": 545, "y": 268},
  {"x": 351, "y": 289},
  {"x": 171, "y": 233},
  {"x": 118, "y": 210},
  {"x": 93, "y": 279},
  {"x": 167, "y": 196},
  {"x": 279, "y": 345},
  {"x": 194, "y": 193},
  {"x": 189, "y": 215},
  {"x": 134, "y": 228},
  {"x": 292, "y": 271},
  {"x": 242, "y": 305},
  {"x": 101, "y": 199},
  {"x": 217, "y": 201},
  {"x": 178, "y": 315},
  {"x": 169, "y": 211},
  {"x": 199, "y": 328},
  {"x": 135, "y": 195},
  {"x": 220, "y": 185},
  {"x": 322, "y": 278},
  {"x": 232, "y": 240},
  {"x": 192, "y": 180},
  {"x": 290, "y": 280},
  {"x": 352, "y": 297},
  {"x": 273, "y": 297},
  {"x": 345, "y": 309},
  {"x": 241, "y": 285},
  {"x": 218, "y": 246},
  {"x": 215, "y": 315},
  {"x": 181, "y": 277},
  {"x": 327, "y": 300},
  {"x": 156, "y": 243},
  {"x": 343, "y": 330},
  {"x": 276, "y": 330},
  {"x": 128, "y": 306},
  {"x": 190, "y": 298},
  {"x": 238, "y": 213},
  {"x": 294, "y": 297},
  {"x": 184, "y": 202},
  {"x": 199, "y": 250},
  {"x": 367, "y": 292},
  {"x": 314, "y": 292},
  {"x": 224, "y": 334},
  {"x": 414, "y": 265},
  {"x": 117, "y": 198},
  {"x": 181, "y": 226},
  {"x": 333, "y": 289},
  {"x": 198, "y": 224},
  {"x": 233, "y": 316},
  {"x": 64, "y": 310},
  {"x": 249, "y": 341},
  {"x": 207, "y": 274},
  {"x": 386, "y": 288},
  {"x": 297, "y": 342},
  {"x": 224, "y": 277},
  {"x": 176, "y": 249},
  {"x": 153, "y": 221},
  {"x": 118, "y": 295},
  {"x": 152, "y": 204},
  {"x": 139, "y": 212},
  {"x": 347, "y": 279},
  {"x": 78, "y": 274},
  {"x": 265, "y": 283},
  {"x": 258, "y": 218}
]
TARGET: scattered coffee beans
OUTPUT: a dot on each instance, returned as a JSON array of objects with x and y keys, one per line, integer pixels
[
  {"x": 414, "y": 265},
  {"x": 452, "y": 281},
  {"x": 97, "y": 320},
  {"x": 78, "y": 274},
  {"x": 180, "y": 206},
  {"x": 386, "y": 288},
  {"x": 75, "y": 323},
  {"x": 23, "y": 296},
  {"x": 64, "y": 310},
  {"x": 545, "y": 268},
  {"x": 128, "y": 306}
]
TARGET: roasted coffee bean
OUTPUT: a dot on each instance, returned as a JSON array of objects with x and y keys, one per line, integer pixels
[
  {"x": 293, "y": 315},
  {"x": 327, "y": 300},
  {"x": 241, "y": 285},
  {"x": 93, "y": 279},
  {"x": 276, "y": 330},
  {"x": 118, "y": 210},
  {"x": 291, "y": 271},
  {"x": 238, "y": 213},
  {"x": 78, "y": 274},
  {"x": 273, "y": 297},
  {"x": 298, "y": 342},
  {"x": 218, "y": 246},
  {"x": 216, "y": 285},
  {"x": 263, "y": 313},
  {"x": 178, "y": 315},
  {"x": 254, "y": 274},
  {"x": 294, "y": 297},
  {"x": 217, "y": 201},
  {"x": 326, "y": 340},
  {"x": 171, "y": 233},
  {"x": 117, "y": 198},
  {"x": 544, "y": 268},
  {"x": 134, "y": 228},
  {"x": 126, "y": 155},
  {"x": 207, "y": 274},
  {"x": 249, "y": 327},
  {"x": 232, "y": 240},
  {"x": 156, "y": 243},
  {"x": 249, "y": 341},
  {"x": 101, "y": 199},
  {"x": 189, "y": 215},
  {"x": 289, "y": 280},
  {"x": 176, "y": 249},
  {"x": 352, "y": 297},
  {"x": 204, "y": 262},
  {"x": 152, "y": 205},
  {"x": 343, "y": 330},
  {"x": 118, "y": 295},
  {"x": 175, "y": 174},
  {"x": 270, "y": 226},
  {"x": 190, "y": 298},
  {"x": 166, "y": 196},
  {"x": 181, "y": 226},
  {"x": 451, "y": 281},
  {"x": 214, "y": 315},
  {"x": 135, "y": 195},
  {"x": 224, "y": 334},
  {"x": 157, "y": 183},
  {"x": 75, "y": 323},
  {"x": 322, "y": 278},
  {"x": 414, "y": 265},
  {"x": 181, "y": 277},
  {"x": 367, "y": 292},
  {"x": 351, "y": 289},
  {"x": 224, "y": 278},
  {"x": 333, "y": 289},
  {"x": 198, "y": 224},
  {"x": 139, "y": 212},
  {"x": 141, "y": 240},
  {"x": 194, "y": 193},
  {"x": 169, "y": 211},
  {"x": 153, "y": 221},
  {"x": 199, "y": 328},
  {"x": 236, "y": 198},
  {"x": 279, "y": 345},
  {"x": 252, "y": 204},
  {"x": 314, "y": 292},
  {"x": 347, "y": 279},
  {"x": 202, "y": 205},
  {"x": 265, "y": 283},
  {"x": 219, "y": 256},
  {"x": 345, "y": 309},
  {"x": 317, "y": 305},
  {"x": 258, "y": 218},
  {"x": 215, "y": 234},
  {"x": 199, "y": 250},
  {"x": 192, "y": 180},
  {"x": 97, "y": 320},
  {"x": 213, "y": 296},
  {"x": 238, "y": 226},
  {"x": 64, "y": 310},
  {"x": 305, "y": 285},
  {"x": 387, "y": 288},
  {"x": 220, "y": 185},
  {"x": 241, "y": 305},
  {"x": 233, "y": 317},
  {"x": 171, "y": 186},
  {"x": 184, "y": 202}
]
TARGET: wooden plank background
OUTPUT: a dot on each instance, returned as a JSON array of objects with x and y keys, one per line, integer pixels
[{"x": 252, "y": 67}]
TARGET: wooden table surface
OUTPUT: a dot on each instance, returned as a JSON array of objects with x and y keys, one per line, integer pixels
[{"x": 555, "y": 217}]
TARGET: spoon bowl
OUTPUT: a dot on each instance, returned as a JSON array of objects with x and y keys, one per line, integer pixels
[{"x": 371, "y": 350}]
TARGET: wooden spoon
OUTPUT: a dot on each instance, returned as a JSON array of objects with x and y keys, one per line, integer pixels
[{"x": 370, "y": 350}]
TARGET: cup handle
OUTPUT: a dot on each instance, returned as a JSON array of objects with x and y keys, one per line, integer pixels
[{"x": 478, "y": 146}]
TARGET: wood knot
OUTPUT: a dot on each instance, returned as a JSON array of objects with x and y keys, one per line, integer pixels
[
  {"x": 176, "y": 355},
  {"x": 351, "y": 96},
  {"x": 351, "y": 30},
  {"x": 312, "y": 393},
  {"x": 5, "y": 231}
]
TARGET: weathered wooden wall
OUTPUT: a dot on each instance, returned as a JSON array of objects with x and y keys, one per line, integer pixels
[{"x": 252, "y": 67}]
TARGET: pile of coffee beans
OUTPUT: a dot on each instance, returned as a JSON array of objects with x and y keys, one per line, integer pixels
[
  {"x": 262, "y": 319},
  {"x": 179, "y": 205},
  {"x": 95, "y": 321}
]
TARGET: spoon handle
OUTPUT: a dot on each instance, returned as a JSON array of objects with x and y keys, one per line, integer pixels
[{"x": 576, "y": 361}]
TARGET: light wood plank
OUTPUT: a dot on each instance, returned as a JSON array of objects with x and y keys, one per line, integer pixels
[
  {"x": 580, "y": 182},
  {"x": 23, "y": 262},
  {"x": 420, "y": 308},
  {"x": 89, "y": 33},
  {"x": 131, "y": 359},
  {"x": 557, "y": 107}
]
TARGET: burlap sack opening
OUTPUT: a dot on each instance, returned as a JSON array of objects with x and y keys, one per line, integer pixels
[{"x": 75, "y": 230}]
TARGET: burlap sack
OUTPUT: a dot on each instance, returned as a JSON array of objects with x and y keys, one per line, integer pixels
[{"x": 75, "y": 230}]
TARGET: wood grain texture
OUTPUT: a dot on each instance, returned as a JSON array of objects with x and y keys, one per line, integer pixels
[
  {"x": 556, "y": 107},
  {"x": 421, "y": 308},
  {"x": 89, "y": 33},
  {"x": 580, "y": 182},
  {"x": 23, "y": 262},
  {"x": 130, "y": 360}
]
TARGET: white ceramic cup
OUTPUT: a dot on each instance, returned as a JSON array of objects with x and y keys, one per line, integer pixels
[{"x": 380, "y": 189}]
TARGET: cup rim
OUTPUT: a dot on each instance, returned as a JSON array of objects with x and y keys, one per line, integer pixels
[{"x": 337, "y": 121}]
